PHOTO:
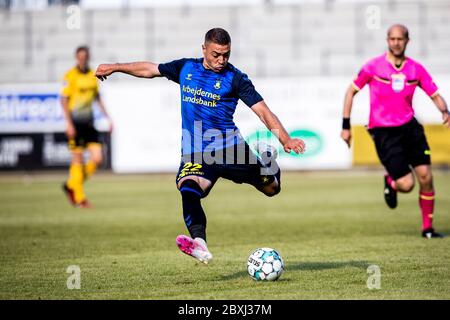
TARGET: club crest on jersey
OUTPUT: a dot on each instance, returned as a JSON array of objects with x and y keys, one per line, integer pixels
[
  {"x": 217, "y": 84},
  {"x": 189, "y": 76},
  {"x": 398, "y": 82}
]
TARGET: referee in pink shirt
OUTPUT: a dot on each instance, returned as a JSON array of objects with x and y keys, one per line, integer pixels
[{"x": 399, "y": 139}]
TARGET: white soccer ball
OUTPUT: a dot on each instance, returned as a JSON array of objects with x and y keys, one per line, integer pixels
[{"x": 265, "y": 264}]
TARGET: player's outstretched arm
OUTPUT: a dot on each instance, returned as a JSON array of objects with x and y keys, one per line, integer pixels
[
  {"x": 136, "y": 69},
  {"x": 442, "y": 106},
  {"x": 346, "y": 134},
  {"x": 274, "y": 125}
]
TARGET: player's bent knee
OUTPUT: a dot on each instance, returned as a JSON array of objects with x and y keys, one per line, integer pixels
[
  {"x": 425, "y": 178},
  {"x": 406, "y": 186},
  {"x": 272, "y": 193},
  {"x": 406, "y": 183},
  {"x": 272, "y": 190},
  {"x": 191, "y": 187},
  {"x": 409, "y": 188},
  {"x": 204, "y": 184}
]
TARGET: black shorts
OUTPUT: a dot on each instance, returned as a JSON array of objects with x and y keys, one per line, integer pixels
[
  {"x": 245, "y": 168},
  {"x": 401, "y": 147},
  {"x": 85, "y": 134}
]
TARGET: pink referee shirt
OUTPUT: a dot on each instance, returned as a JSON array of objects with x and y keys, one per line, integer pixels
[{"x": 392, "y": 89}]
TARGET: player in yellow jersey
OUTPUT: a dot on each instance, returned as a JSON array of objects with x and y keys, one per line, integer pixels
[{"x": 78, "y": 94}]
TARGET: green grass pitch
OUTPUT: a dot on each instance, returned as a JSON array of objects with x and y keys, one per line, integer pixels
[{"x": 328, "y": 227}]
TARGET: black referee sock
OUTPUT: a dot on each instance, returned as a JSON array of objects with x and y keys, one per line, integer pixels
[{"x": 193, "y": 213}]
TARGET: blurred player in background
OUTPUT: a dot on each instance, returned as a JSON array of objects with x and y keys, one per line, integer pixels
[
  {"x": 210, "y": 89},
  {"x": 399, "y": 139},
  {"x": 78, "y": 94}
]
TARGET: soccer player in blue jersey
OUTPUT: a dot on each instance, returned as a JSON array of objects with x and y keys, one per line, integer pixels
[{"x": 212, "y": 146}]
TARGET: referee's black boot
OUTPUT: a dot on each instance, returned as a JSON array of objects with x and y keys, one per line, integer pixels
[
  {"x": 390, "y": 195},
  {"x": 430, "y": 233}
]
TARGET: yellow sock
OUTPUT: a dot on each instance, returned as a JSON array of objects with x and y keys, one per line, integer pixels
[
  {"x": 75, "y": 181},
  {"x": 89, "y": 169}
]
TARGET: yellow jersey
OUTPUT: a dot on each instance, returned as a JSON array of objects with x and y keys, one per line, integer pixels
[{"x": 81, "y": 89}]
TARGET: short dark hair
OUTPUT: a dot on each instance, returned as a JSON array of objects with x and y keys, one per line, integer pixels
[
  {"x": 219, "y": 36},
  {"x": 82, "y": 48}
]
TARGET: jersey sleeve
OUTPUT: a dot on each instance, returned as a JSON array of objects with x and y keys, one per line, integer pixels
[
  {"x": 426, "y": 82},
  {"x": 364, "y": 77},
  {"x": 246, "y": 90},
  {"x": 66, "y": 90},
  {"x": 171, "y": 70}
]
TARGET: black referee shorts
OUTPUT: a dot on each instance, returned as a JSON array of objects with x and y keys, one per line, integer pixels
[{"x": 401, "y": 147}]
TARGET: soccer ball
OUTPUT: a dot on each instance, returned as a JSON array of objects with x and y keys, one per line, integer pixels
[{"x": 265, "y": 264}]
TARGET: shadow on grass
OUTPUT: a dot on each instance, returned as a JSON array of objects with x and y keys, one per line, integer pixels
[
  {"x": 417, "y": 234},
  {"x": 443, "y": 232},
  {"x": 308, "y": 266},
  {"x": 317, "y": 266}
]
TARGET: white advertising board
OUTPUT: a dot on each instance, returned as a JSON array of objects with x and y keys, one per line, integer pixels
[{"x": 147, "y": 120}]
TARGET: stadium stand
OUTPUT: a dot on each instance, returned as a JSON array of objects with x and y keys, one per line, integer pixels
[{"x": 290, "y": 40}]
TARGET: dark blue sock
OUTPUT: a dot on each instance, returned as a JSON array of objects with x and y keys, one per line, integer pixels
[{"x": 193, "y": 213}]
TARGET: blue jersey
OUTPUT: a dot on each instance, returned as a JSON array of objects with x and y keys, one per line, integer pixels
[{"x": 208, "y": 103}]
